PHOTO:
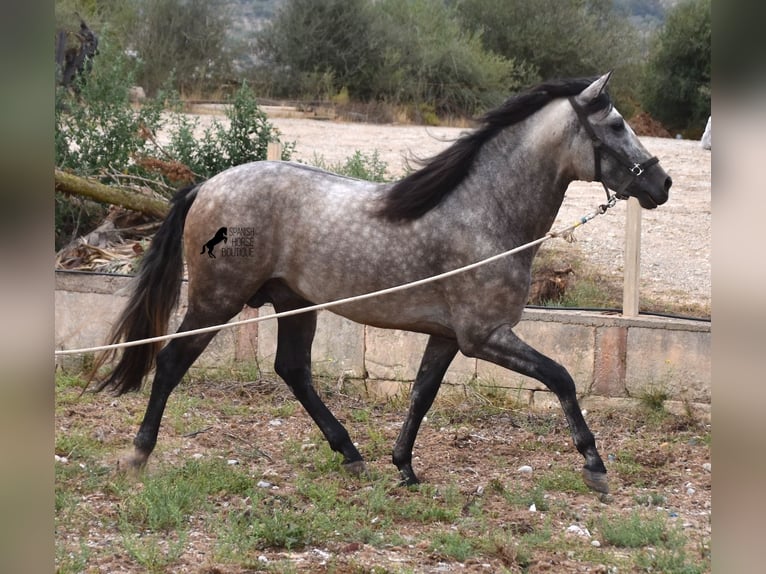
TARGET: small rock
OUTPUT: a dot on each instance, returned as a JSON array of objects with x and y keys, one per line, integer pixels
[
  {"x": 533, "y": 508},
  {"x": 197, "y": 455},
  {"x": 322, "y": 554},
  {"x": 595, "y": 543},
  {"x": 526, "y": 469},
  {"x": 61, "y": 459},
  {"x": 578, "y": 530},
  {"x": 264, "y": 484},
  {"x": 262, "y": 559},
  {"x": 275, "y": 422},
  {"x": 232, "y": 461},
  {"x": 708, "y": 467}
]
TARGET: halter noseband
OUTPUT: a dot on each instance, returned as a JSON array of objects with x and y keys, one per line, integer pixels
[{"x": 635, "y": 169}]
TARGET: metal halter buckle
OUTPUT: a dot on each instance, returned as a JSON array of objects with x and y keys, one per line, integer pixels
[{"x": 636, "y": 169}]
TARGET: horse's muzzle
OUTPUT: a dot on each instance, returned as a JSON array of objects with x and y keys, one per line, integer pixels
[{"x": 649, "y": 194}]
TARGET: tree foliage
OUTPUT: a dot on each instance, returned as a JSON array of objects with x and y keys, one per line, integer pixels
[
  {"x": 556, "y": 38},
  {"x": 430, "y": 59},
  {"x": 99, "y": 133},
  {"x": 676, "y": 84},
  {"x": 392, "y": 50},
  {"x": 319, "y": 46}
]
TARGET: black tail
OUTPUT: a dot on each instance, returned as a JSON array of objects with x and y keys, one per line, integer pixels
[{"x": 155, "y": 294}]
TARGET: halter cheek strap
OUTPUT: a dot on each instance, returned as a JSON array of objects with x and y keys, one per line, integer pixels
[{"x": 635, "y": 169}]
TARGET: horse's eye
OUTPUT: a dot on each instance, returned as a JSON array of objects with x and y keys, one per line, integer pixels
[{"x": 618, "y": 126}]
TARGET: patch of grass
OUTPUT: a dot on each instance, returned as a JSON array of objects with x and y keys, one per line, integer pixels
[
  {"x": 650, "y": 499},
  {"x": 653, "y": 398},
  {"x": 64, "y": 380},
  {"x": 629, "y": 469},
  {"x": 69, "y": 561},
  {"x": 525, "y": 497},
  {"x": 168, "y": 497},
  {"x": 453, "y": 544},
  {"x": 634, "y": 531},
  {"x": 561, "y": 480},
  {"x": 588, "y": 287},
  {"x": 155, "y": 552},
  {"x": 662, "y": 544}
]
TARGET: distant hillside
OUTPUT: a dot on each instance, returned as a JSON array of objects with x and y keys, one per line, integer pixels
[{"x": 248, "y": 15}]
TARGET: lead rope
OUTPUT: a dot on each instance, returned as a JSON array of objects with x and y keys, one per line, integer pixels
[{"x": 566, "y": 233}]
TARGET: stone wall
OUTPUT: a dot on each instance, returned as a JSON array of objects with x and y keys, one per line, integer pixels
[{"x": 610, "y": 357}]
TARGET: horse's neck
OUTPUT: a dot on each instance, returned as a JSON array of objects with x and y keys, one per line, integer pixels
[{"x": 525, "y": 183}]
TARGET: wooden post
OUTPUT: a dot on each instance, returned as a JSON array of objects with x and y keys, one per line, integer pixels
[
  {"x": 632, "y": 266},
  {"x": 274, "y": 151}
]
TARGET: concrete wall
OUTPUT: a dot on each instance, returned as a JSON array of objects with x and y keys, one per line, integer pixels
[{"x": 610, "y": 357}]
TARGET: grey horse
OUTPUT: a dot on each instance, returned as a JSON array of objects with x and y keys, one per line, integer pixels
[{"x": 299, "y": 235}]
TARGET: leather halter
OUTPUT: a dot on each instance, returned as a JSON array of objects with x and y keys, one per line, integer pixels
[{"x": 599, "y": 146}]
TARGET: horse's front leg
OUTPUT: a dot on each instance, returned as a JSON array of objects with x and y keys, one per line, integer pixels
[
  {"x": 436, "y": 359},
  {"x": 504, "y": 348}
]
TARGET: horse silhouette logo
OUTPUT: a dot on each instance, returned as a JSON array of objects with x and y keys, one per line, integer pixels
[{"x": 220, "y": 235}]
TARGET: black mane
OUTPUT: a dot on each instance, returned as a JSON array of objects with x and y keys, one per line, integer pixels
[{"x": 422, "y": 190}]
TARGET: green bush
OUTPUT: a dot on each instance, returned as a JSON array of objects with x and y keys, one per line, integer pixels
[
  {"x": 99, "y": 133},
  {"x": 360, "y": 166},
  {"x": 245, "y": 139}
]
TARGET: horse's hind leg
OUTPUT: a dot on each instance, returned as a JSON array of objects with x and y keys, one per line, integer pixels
[
  {"x": 172, "y": 363},
  {"x": 504, "y": 348},
  {"x": 293, "y": 363},
  {"x": 436, "y": 360}
]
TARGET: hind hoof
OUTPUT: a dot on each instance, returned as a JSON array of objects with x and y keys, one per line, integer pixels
[
  {"x": 131, "y": 464},
  {"x": 356, "y": 468},
  {"x": 595, "y": 480}
]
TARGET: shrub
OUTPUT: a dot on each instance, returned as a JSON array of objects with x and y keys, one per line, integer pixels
[{"x": 99, "y": 133}]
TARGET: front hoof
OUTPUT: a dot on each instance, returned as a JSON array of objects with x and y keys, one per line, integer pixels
[
  {"x": 408, "y": 477},
  {"x": 595, "y": 480},
  {"x": 356, "y": 468}
]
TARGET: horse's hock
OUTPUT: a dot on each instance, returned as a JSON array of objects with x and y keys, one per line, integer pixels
[{"x": 611, "y": 358}]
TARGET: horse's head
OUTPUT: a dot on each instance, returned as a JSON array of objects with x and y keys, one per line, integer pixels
[{"x": 618, "y": 159}]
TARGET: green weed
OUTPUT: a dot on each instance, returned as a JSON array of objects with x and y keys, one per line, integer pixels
[
  {"x": 169, "y": 497},
  {"x": 637, "y": 530}
]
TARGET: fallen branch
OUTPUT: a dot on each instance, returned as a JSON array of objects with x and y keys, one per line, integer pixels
[{"x": 76, "y": 185}]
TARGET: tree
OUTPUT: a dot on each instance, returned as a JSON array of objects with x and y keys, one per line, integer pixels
[
  {"x": 676, "y": 85},
  {"x": 429, "y": 59},
  {"x": 320, "y": 47},
  {"x": 557, "y": 38},
  {"x": 182, "y": 39},
  {"x": 411, "y": 52}
]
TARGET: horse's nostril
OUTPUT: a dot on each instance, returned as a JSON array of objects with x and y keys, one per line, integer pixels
[{"x": 668, "y": 183}]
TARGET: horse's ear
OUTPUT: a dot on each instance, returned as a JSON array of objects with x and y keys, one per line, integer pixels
[{"x": 594, "y": 90}]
